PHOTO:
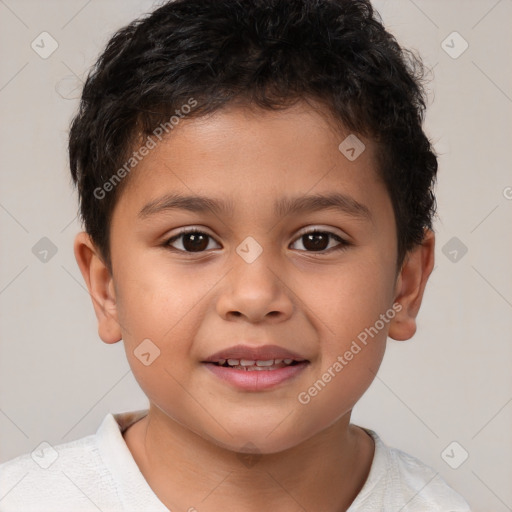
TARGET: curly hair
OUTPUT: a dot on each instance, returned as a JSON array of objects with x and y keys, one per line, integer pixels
[{"x": 265, "y": 53}]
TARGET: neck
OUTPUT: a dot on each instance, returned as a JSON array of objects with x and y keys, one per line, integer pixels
[{"x": 188, "y": 472}]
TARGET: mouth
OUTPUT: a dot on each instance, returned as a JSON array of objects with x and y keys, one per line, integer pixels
[
  {"x": 250, "y": 365},
  {"x": 255, "y": 369}
]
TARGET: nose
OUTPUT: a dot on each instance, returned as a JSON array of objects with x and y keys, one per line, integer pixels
[{"x": 256, "y": 292}]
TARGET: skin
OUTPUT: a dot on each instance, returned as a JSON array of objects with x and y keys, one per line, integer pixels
[{"x": 193, "y": 304}]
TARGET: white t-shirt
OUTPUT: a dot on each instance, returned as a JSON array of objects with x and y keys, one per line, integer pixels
[{"x": 98, "y": 473}]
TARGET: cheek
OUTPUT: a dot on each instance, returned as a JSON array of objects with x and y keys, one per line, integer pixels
[
  {"x": 349, "y": 360},
  {"x": 347, "y": 298},
  {"x": 348, "y": 315},
  {"x": 339, "y": 386},
  {"x": 156, "y": 318},
  {"x": 154, "y": 297},
  {"x": 158, "y": 351}
]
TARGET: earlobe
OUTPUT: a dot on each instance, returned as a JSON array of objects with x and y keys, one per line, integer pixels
[
  {"x": 100, "y": 285},
  {"x": 410, "y": 287}
]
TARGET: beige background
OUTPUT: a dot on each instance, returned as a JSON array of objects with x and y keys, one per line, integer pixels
[{"x": 452, "y": 382}]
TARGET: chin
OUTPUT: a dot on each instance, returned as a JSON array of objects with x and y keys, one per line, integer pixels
[
  {"x": 258, "y": 443},
  {"x": 262, "y": 439}
]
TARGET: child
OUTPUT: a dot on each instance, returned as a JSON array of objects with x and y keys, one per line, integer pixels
[{"x": 283, "y": 139}]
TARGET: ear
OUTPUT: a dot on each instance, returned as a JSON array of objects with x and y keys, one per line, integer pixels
[
  {"x": 410, "y": 286},
  {"x": 100, "y": 285}
]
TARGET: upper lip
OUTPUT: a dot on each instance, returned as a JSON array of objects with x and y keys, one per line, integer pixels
[{"x": 262, "y": 353}]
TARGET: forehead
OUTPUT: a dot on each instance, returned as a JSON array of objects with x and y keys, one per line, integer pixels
[{"x": 254, "y": 159}]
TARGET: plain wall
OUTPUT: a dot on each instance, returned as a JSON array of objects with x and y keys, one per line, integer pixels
[{"x": 451, "y": 382}]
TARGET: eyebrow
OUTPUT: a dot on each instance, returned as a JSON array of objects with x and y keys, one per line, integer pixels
[{"x": 282, "y": 207}]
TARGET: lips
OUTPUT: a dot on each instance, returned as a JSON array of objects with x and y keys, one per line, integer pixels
[{"x": 255, "y": 368}]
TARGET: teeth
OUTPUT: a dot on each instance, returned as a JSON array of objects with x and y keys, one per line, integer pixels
[
  {"x": 265, "y": 363},
  {"x": 253, "y": 363}
]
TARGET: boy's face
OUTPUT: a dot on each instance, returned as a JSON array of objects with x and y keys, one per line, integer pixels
[{"x": 310, "y": 296}]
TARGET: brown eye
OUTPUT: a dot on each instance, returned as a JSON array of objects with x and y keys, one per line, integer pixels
[
  {"x": 191, "y": 241},
  {"x": 318, "y": 241}
]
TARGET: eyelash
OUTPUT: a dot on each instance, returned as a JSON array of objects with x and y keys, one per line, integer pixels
[{"x": 341, "y": 246}]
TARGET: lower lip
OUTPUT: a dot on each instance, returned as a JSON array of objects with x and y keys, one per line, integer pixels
[{"x": 256, "y": 380}]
